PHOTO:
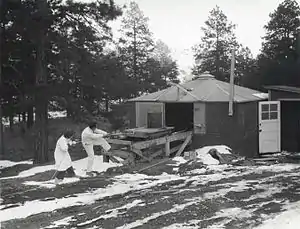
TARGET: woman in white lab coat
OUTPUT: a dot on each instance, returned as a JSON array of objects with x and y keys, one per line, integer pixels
[{"x": 63, "y": 162}]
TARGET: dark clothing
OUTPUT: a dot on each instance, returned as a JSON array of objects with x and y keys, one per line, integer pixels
[{"x": 61, "y": 174}]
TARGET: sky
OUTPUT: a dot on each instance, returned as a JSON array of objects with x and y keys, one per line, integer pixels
[{"x": 178, "y": 22}]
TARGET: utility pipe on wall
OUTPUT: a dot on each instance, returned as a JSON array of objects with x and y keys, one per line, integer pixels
[{"x": 231, "y": 87}]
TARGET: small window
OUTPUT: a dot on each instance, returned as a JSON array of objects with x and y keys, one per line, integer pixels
[
  {"x": 265, "y": 107},
  {"x": 273, "y": 115},
  {"x": 269, "y": 111},
  {"x": 265, "y": 115},
  {"x": 273, "y": 107}
]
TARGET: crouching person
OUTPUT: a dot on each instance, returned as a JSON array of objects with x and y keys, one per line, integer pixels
[
  {"x": 90, "y": 137},
  {"x": 63, "y": 162}
]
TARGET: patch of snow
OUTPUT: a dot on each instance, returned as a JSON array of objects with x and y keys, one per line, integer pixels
[
  {"x": 235, "y": 187},
  {"x": 270, "y": 190},
  {"x": 278, "y": 167},
  {"x": 7, "y": 163},
  {"x": 132, "y": 182},
  {"x": 175, "y": 208},
  {"x": 262, "y": 95},
  {"x": 179, "y": 160},
  {"x": 188, "y": 225},
  {"x": 220, "y": 148},
  {"x": 113, "y": 213},
  {"x": 288, "y": 219},
  {"x": 233, "y": 213},
  {"x": 51, "y": 184},
  {"x": 63, "y": 222},
  {"x": 206, "y": 158},
  {"x": 197, "y": 171}
]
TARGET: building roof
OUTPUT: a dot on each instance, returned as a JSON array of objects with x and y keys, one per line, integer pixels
[
  {"x": 284, "y": 88},
  {"x": 203, "y": 88}
]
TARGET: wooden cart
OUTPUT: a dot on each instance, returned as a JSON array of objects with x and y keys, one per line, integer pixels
[{"x": 146, "y": 144}]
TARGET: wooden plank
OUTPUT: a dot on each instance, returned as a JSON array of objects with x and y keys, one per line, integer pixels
[
  {"x": 162, "y": 140},
  {"x": 140, "y": 153},
  {"x": 127, "y": 156},
  {"x": 151, "y": 166},
  {"x": 118, "y": 142},
  {"x": 143, "y": 132},
  {"x": 174, "y": 149},
  {"x": 187, "y": 140}
]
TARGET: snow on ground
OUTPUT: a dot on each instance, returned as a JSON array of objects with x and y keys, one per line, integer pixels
[
  {"x": 262, "y": 95},
  {"x": 78, "y": 165},
  {"x": 7, "y": 163},
  {"x": 112, "y": 212},
  {"x": 206, "y": 158},
  {"x": 63, "y": 222},
  {"x": 225, "y": 181},
  {"x": 50, "y": 183},
  {"x": 174, "y": 209},
  {"x": 288, "y": 219},
  {"x": 179, "y": 160},
  {"x": 123, "y": 184}
]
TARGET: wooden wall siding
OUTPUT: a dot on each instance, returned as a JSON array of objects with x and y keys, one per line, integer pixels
[
  {"x": 239, "y": 132},
  {"x": 132, "y": 115},
  {"x": 199, "y": 118},
  {"x": 277, "y": 95},
  {"x": 143, "y": 108}
]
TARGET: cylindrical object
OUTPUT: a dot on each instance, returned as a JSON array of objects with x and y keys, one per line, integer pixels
[{"x": 231, "y": 88}]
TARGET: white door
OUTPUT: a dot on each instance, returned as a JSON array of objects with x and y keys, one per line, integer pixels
[{"x": 269, "y": 127}]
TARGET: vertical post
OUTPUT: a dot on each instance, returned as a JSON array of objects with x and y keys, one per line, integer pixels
[
  {"x": 1, "y": 123},
  {"x": 231, "y": 89},
  {"x": 167, "y": 148}
]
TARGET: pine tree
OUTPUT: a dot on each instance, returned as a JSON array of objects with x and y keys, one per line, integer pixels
[
  {"x": 213, "y": 54},
  {"x": 50, "y": 53},
  {"x": 278, "y": 59},
  {"x": 168, "y": 66},
  {"x": 135, "y": 47},
  {"x": 245, "y": 66}
]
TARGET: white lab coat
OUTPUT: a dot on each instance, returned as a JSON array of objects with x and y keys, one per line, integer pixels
[
  {"x": 61, "y": 154},
  {"x": 90, "y": 137}
]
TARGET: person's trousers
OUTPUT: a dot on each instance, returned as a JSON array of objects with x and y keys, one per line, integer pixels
[
  {"x": 61, "y": 174},
  {"x": 89, "y": 149}
]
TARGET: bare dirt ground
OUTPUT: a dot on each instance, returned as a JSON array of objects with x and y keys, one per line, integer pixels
[{"x": 218, "y": 196}]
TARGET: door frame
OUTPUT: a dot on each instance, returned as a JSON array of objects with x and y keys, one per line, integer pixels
[{"x": 278, "y": 102}]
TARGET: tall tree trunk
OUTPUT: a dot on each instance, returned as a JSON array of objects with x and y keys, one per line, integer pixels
[
  {"x": 106, "y": 104},
  {"x": 1, "y": 124},
  {"x": 29, "y": 116},
  {"x": 24, "y": 117},
  {"x": 41, "y": 138},
  {"x": 41, "y": 101},
  {"x": 11, "y": 121}
]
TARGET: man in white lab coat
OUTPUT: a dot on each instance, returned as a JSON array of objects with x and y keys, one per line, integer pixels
[
  {"x": 63, "y": 162},
  {"x": 92, "y": 136}
]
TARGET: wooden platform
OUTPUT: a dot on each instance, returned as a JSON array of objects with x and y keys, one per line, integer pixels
[
  {"x": 146, "y": 133},
  {"x": 148, "y": 149}
]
